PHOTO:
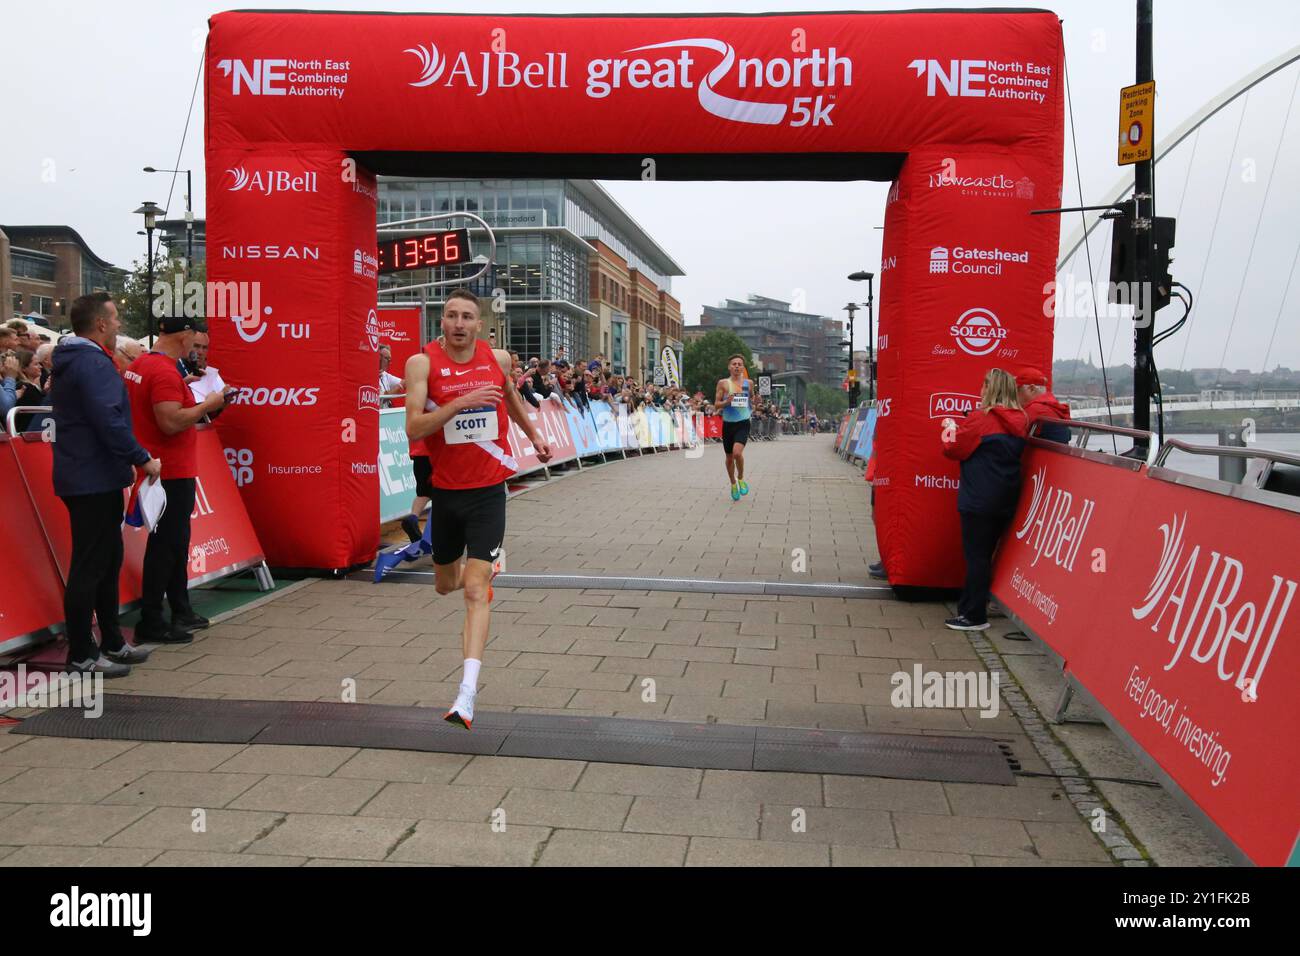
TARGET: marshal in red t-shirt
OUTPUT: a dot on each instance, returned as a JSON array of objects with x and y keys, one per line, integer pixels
[{"x": 154, "y": 378}]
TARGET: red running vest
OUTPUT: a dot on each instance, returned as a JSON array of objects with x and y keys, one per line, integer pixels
[{"x": 463, "y": 455}]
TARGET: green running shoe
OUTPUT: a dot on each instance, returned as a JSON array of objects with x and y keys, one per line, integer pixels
[
  {"x": 744, "y": 487},
  {"x": 735, "y": 492}
]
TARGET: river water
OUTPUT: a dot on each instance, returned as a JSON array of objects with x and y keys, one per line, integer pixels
[{"x": 1207, "y": 466}]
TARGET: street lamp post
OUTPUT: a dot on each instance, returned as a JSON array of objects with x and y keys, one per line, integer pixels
[
  {"x": 189, "y": 214},
  {"x": 852, "y": 308},
  {"x": 150, "y": 212},
  {"x": 868, "y": 277}
]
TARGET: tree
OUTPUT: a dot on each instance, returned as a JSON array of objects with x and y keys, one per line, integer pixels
[
  {"x": 704, "y": 361},
  {"x": 825, "y": 401},
  {"x": 132, "y": 301}
]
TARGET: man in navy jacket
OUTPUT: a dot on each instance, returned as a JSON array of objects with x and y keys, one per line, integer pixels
[{"x": 94, "y": 451}]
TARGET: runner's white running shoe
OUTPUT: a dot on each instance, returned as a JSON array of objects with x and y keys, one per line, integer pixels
[{"x": 462, "y": 712}]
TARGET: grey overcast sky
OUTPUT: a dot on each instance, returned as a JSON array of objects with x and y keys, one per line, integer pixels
[{"x": 94, "y": 91}]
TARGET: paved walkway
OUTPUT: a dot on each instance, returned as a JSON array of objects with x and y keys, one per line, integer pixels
[{"x": 678, "y": 656}]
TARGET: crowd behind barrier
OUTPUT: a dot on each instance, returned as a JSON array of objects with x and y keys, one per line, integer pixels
[
  {"x": 36, "y": 537},
  {"x": 586, "y": 411}
]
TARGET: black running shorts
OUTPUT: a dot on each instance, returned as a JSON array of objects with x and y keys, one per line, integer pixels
[
  {"x": 469, "y": 520},
  {"x": 734, "y": 433},
  {"x": 422, "y": 467}
]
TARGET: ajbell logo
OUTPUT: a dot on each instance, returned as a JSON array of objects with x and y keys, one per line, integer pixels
[{"x": 270, "y": 181}]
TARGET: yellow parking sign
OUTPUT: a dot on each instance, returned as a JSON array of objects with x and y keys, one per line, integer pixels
[{"x": 1137, "y": 109}]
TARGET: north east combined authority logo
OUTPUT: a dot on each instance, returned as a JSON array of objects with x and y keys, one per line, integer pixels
[{"x": 287, "y": 77}]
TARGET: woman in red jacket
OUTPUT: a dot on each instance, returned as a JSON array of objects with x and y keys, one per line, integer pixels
[{"x": 988, "y": 443}]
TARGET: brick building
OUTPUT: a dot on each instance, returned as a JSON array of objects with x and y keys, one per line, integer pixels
[
  {"x": 783, "y": 340},
  {"x": 46, "y": 267}
]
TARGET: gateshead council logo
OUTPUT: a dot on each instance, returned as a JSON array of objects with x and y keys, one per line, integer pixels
[{"x": 819, "y": 70}]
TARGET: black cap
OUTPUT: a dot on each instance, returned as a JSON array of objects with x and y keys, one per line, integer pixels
[{"x": 171, "y": 324}]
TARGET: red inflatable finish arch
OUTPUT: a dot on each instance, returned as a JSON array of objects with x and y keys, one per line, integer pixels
[{"x": 961, "y": 110}]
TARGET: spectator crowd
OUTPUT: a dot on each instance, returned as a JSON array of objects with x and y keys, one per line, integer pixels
[{"x": 581, "y": 383}]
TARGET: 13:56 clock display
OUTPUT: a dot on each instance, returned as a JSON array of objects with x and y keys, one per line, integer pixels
[{"x": 447, "y": 248}]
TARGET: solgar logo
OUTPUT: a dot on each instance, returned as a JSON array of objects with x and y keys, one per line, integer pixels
[
  {"x": 269, "y": 181},
  {"x": 977, "y": 331},
  {"x": 1220, "y": 620},
  {"x": 372, "y": 331},
  {"x": 1053, "y": 525}
]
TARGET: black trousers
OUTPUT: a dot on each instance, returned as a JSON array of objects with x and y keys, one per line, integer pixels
[
  {"x": 166, "y": 557},
  {"x": 92, "y": 575},
  {"x": 979, "y": 539}
]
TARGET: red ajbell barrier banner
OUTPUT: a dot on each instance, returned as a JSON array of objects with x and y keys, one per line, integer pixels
[
  {"x": 33, "y": 587},
  {"x": 1177, "y": 610},
  {"x": 222, "y": 539},
  {"x": 973, "y": 98}
]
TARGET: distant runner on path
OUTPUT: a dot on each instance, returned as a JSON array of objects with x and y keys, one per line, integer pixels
[{"x": 735, "y": 397}]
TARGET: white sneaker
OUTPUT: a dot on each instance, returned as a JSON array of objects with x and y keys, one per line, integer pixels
[
  {"x": 100, "y": 665},
  {"x": 462, "y": 712}
]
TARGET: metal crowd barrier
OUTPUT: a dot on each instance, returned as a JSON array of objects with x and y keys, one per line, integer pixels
[{"x": 1268, "y": 484}]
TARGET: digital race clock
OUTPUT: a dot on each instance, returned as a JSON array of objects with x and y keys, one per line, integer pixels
[{"x": 447, "y": 248}]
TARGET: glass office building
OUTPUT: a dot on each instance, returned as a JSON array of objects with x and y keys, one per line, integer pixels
[{"x": 540, "y": 272}]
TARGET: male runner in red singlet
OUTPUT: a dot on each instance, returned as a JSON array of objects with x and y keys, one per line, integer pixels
[{"x": 458, "y": 396}]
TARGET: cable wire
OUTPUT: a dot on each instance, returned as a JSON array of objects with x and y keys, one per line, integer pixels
[
  {"x": 1092, "y": 281},
  {"x": 1214, "y": 230},
  {"x": 185, "y": 133},
  {"x": 1245, "y": 273},
  {"x": 1281, "y": 306}
]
